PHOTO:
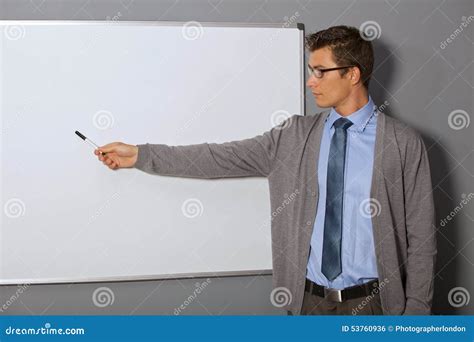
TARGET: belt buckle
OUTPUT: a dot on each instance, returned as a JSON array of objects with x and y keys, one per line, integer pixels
[{"x": 333, "y": 294}]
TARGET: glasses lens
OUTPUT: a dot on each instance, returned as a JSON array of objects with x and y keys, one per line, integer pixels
[
  {"x": 318, "y": 73},
  {"x": 314, "y": 72}
]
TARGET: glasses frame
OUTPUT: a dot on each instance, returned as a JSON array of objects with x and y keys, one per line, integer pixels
[{"x": 312, "y": 71}]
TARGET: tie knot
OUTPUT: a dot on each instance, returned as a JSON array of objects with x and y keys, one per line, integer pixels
[{"x": 343, "y": 123}]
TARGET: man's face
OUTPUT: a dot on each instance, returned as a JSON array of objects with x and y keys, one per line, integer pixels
[{"x": 332, "y": 89}]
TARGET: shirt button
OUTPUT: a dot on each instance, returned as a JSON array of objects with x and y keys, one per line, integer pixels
[
  {"x": 313, "y": 193},
  {"x": 308, "y": 223}
]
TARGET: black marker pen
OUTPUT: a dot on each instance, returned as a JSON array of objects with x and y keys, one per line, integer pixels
[{"x": 90, "y": 142}]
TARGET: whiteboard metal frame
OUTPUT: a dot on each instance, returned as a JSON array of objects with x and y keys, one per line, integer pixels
[{"x": 52, "y": 281}]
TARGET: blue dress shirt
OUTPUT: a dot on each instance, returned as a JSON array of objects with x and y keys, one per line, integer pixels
[{"x": 357, "y": 251}]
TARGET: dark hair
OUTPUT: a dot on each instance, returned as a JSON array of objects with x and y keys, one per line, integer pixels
[{"x": 348, "y": 48}]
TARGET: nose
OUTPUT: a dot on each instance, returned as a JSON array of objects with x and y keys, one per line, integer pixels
[{"x": 311, "y": 82}]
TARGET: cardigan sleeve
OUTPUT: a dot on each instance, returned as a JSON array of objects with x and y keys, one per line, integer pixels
[
  {"x": 421, "y": 229},
  {"x": 242, "y": 158}
]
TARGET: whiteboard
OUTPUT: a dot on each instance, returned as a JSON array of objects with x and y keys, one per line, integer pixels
[{"x": 68, "y": 218}]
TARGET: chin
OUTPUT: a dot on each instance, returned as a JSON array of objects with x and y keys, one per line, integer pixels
[{"x": 322, "y": 104}]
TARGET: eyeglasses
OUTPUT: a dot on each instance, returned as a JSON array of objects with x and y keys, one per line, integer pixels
[{"x": 319, "y": 73}]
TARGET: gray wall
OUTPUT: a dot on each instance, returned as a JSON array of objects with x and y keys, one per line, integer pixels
[{"x": 421, "y": 78}]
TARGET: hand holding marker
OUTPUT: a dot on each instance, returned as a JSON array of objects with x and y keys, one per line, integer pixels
[{"x": 114, "y": 155}]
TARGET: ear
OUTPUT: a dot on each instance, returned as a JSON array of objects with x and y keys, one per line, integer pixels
[{"x": 355, "y": 75}]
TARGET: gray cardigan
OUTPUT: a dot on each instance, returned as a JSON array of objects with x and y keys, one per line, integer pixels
[{"x": 401, "y": 192}]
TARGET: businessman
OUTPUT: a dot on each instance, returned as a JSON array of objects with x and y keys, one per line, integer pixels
[{"x": 359, "y": 239}]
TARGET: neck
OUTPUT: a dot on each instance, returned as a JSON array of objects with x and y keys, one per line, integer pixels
[{"x": 352, "y": 104}]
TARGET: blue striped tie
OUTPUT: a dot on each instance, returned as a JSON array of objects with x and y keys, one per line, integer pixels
[{"x": 331, "y": 261}]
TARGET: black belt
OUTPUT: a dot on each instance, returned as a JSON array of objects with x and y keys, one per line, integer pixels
[{"x": 352, "y": 292}]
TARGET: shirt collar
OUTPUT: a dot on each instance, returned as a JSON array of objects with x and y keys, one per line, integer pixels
[{"x": 359, "y": 118}]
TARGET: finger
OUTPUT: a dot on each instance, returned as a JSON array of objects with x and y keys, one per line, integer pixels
[
  {"x": 110, "y": 158},
  {"x": 109, "y": 147},
  {"x": 98, "y": 152},
  {"x": 114, "y": 158},
  {"x": 114, "y": 165}
]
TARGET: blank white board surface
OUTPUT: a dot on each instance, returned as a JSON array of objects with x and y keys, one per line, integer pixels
[{"x": 65, "y": 216}]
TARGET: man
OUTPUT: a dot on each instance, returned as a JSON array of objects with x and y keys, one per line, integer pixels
[{"x": 360, "y": 237}]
